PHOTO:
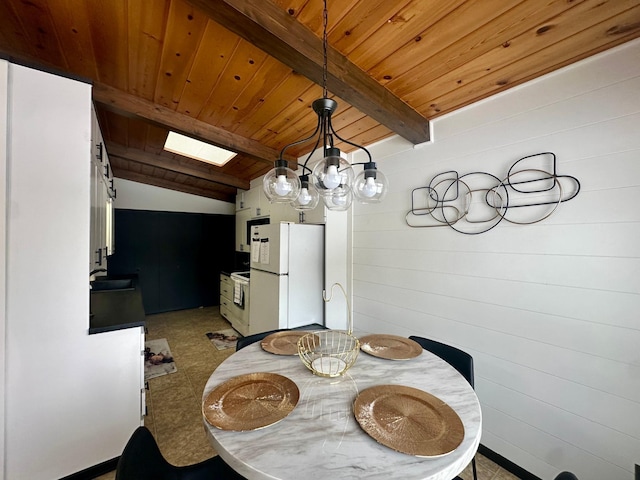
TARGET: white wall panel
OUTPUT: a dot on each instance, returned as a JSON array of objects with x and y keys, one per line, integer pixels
[
  {"x": 549, "y": 310},
  {"x": 547, "y": 448},
  {"x": 71, "y": 399},
  {"x": 138, "y": 196},
  {"x": 4, "y": 84},
  {"x": 620, "y": 274}
]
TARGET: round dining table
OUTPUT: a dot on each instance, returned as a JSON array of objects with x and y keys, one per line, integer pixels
[{"x": 322, "y": 439}]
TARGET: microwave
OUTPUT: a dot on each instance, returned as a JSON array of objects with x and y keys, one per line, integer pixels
[{"x": 251, "y": 223}]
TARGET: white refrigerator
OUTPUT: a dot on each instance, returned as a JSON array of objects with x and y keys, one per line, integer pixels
[{"x": 287, "y": 276}]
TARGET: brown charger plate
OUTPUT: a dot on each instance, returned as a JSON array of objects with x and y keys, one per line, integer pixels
[
  {"x": 409, "y": 420},
  {"x": 283, "y": 343},
  {"x": 391, "y": 347},
  {"x": 251, "y": 401}
]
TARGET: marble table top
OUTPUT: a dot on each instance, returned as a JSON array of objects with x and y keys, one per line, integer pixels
[{"x": 321, "y": 438}]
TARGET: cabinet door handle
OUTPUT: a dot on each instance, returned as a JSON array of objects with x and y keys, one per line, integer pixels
[
  {"x": 99, "y": 154},
  {"x": 99, "y": 253},
  {"x": 106, "y": 170}
]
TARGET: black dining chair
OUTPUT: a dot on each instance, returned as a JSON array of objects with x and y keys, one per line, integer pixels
[
  {"x": 256, "y": 337},
  {"x": 458, "y": 359},
  {"x": 141, "y": 459},
  {"x": 566, "y": 476}
]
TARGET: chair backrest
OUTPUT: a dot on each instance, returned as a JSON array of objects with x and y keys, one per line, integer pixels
[
  {"x": 248, "y": 340},
  {"x": 256, "y": 337},
  {"x": 141, "y": 458},
  {"x": 458, "y": 359},
  {"x": 566, "y": 476}
]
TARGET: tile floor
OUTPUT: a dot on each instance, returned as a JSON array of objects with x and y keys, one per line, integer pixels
[{"x": 173, "y": 401}]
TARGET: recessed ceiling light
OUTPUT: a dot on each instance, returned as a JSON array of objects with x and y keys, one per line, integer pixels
[{"x": 197, "y": 150}]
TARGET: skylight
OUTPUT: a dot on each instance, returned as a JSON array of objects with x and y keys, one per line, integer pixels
[{"x": 197, "y": 150}]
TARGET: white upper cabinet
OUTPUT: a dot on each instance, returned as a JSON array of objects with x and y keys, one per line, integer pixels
[{"x": 102, "y": 195}]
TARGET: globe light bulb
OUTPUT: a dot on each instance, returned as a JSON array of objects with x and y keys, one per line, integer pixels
[
  {"x": 369, "y": 189},
  {"x": 370, "y": 185},
  {"x": 332, "y": 178},
  {"x": 304, "y": 198},
  {"x": 282, "y": 186},
  {"x": 339, "y": 199}
]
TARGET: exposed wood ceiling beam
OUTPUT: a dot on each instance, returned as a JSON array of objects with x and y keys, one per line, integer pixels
[
  {"x": 277, "y": 33},
  {"x": 131, "y": 106},
  {"x": 140, "y": 156},
  {"x": 171, "y": 185}
]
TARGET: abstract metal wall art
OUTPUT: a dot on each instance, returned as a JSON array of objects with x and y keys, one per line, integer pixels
[{"x": 476, "y": 202}]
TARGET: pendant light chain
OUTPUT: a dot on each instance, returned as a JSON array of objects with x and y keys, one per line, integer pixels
[{"x": 325, "y": 21}]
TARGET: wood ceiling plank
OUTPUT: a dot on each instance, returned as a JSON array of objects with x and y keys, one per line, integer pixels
[
  {"x": 187, "y": 180},
  {"x": 74, "y": 31},
  {"x": 270, "y": 110},
  {"x": 12, "y": 33},
  {"x": 185, "y": 28},
  {"x": 451, "y": 28},
  {"x": 145, "y": 29},
  {"x": 176, "y": 164},
  {"x": 241, "y": 70},
  {"x": 344, "y": 117},
  {"x": 108, "y": 21},
  {"x": 353, "y": 130},
  {"x": 619, "y": 29},
  {"x": 171, "y": 176},
  {"x": 377, "y": 133},
  {"x": 113, "y": 127},
  {"x": 156, "y": 138},
  {"x": 130, "y": 105},
  {"x": 293, "y": 7},
  {"x": 131, "y": 166},
  {"x": 374, "y": 134},
  {"x": 294, "y": 122},
  {"x": 401, "y": 29},
  {"x": 309, "y": 13},
  {"x": 38, "y": 27},
  {"x": 235, "y": 167},
  {"x": 146, "y": 170},
  {"x": 254, "y": 94},
  {"x": 490, "y": 36},
  {"x": 305, "y": 121},
  {"x": 526, "y": 46},
  {"x": 174, "y": 185},
  {"x": 299, "y": 124},
  {"x": 138, "y": 130},
  {"x": 274, "y": 31},
  {"x": 214, "y": 51},
  {"x": 363, "y": 21}
]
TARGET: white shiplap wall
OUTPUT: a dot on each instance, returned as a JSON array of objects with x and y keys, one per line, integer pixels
[{"x": 550, "y": 311}]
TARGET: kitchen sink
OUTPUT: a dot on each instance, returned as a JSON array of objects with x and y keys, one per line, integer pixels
[
  {"x": 245, "y": 275},
  {"x": 112, "y": 284}
]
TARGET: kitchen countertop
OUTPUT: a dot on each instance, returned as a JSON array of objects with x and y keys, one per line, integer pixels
[{"x": 116, "y": 309}]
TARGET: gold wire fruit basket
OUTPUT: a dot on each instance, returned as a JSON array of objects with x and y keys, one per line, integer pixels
[{"x": 329, "y": 353}]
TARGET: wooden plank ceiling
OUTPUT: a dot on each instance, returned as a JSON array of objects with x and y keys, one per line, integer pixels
[{"x": 243, "y": 73}]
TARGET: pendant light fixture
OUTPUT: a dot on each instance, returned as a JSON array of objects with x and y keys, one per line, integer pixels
[{"x": 332, "y": 178}]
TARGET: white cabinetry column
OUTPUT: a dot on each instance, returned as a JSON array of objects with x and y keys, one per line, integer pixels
[{"x": 71, "y": 399}]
